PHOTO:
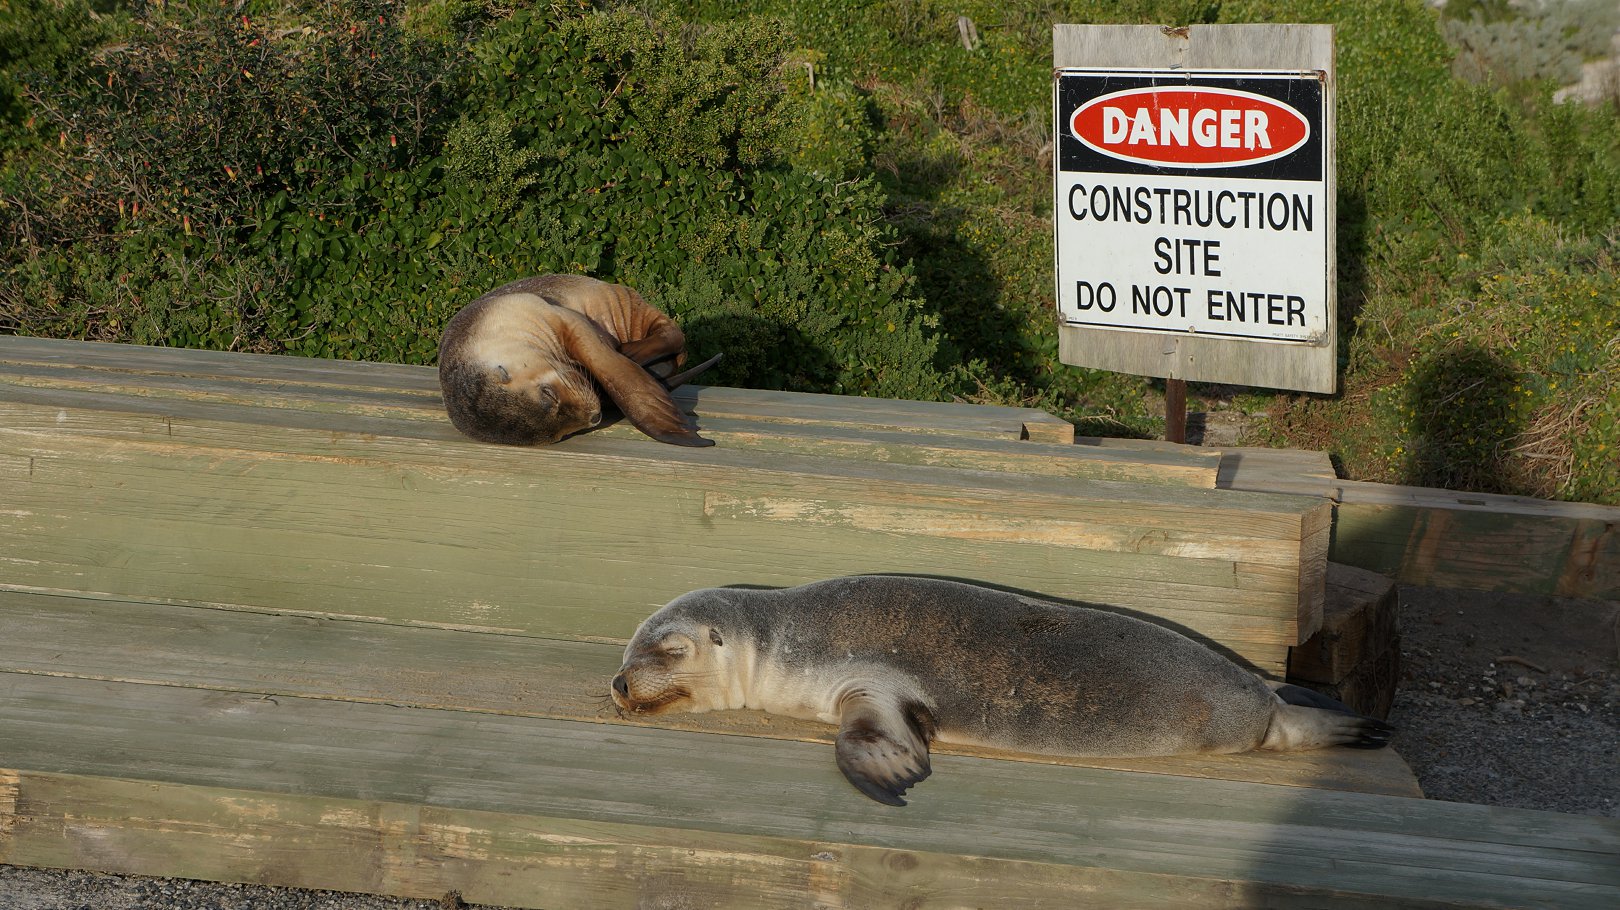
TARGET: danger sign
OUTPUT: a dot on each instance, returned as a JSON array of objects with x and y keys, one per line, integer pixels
[{"x": 1193, "y": 203}]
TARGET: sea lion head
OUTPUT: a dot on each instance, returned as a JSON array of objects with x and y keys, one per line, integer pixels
[
  {"x": 522, "y": 400},
  {"x": 679, "y": 660}
]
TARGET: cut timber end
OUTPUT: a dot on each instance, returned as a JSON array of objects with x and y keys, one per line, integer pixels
[{"x": 1355, "y": 657}]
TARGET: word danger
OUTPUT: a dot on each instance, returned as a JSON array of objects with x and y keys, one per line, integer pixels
[
  {"x": 1191, "y": 127},
  {"x": 1219, "y": 306}
]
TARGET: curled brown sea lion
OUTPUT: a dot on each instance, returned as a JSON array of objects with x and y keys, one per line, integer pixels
[
  {"x": 521, "y": 364},
  {"x": 898, "y": 662}
]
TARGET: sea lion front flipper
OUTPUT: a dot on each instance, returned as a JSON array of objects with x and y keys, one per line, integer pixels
[
  {"x": 638, "y": 393},
  {"x": 883, "y": 746}
]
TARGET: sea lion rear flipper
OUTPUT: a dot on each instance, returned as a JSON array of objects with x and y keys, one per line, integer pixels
[
  {"x": 690, "y": 373},
  {"x": 638, "y": 393},
  {"x": 883, "y": 746}
]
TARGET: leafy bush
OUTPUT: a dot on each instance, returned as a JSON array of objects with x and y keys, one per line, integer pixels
[
  {"x": 842, "y": 197},
  {"x": 320, "y": 190},
  {"x": 37, "y": 39},
  {"x": 1508, "y": 45}
]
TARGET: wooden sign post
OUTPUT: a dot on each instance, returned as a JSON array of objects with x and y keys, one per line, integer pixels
[{"x": 1194, "y": 204}]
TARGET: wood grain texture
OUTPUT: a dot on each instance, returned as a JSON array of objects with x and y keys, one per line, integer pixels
[
  {"x": 413, "y": 392},
  {"x": 1205, "y": 358},
  {"x": 186, "y": 505},
  {"x": 1359, "y": 624},
  {"x": 1322, "y": 842},
  {"x": 421, "y": 851},
  {"x": 270, "y": 654},
  {"x": 1444, "y": 538},
  {"x": 1479, "y": 541}
]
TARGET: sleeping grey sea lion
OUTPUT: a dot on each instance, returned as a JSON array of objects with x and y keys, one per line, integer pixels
[
  {"x": 520, "y": 365},
  {"x": 897, "y": 662}
]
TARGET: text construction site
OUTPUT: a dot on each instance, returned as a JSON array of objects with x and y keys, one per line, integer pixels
[{"x": 1192, "y": 202}]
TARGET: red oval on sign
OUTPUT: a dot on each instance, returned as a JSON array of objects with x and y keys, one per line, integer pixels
[{"x": 1189, "y": 126}]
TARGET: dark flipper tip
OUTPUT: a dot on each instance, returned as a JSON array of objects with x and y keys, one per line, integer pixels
[
  {"x": 1373, "y": 734},
  {"x": 682, "y": 378}
]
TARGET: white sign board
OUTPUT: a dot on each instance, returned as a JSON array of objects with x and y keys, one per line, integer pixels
[{"x": 1193, "y": 202}]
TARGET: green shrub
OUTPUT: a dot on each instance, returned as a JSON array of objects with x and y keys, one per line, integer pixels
[
  {"x": 38, "y": 38},
  {"x": 1506, "y": 45},
  {"x": 322, "y": 191},
  {"x": 842, "y": 197},
  {"x": 1510, "y": 388}
]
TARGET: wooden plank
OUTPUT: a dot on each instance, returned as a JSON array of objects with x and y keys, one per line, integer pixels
[
  {"x": 303, "y": 380},
  {"x": 1276, "y": 471},
  {"x": 418, "y": 851},
  {"x": 1445, "y": 538},
  {"x": 1370, "y": 687},
  {"x": 338, "y": 518},
  {"x": 1286, "y": 837},
  {"x": 531, "y": 677},
  {"x": 1195, "y": 469},
  {"x": 1206, "y": 358},
  {"x": 843, "y": 437},
  {"x": 60, "y": 424},
  {"x": 1312, "y": 584},
  {"x": 1359, "y": 625},
  {"x": 1479, "y": 541}
]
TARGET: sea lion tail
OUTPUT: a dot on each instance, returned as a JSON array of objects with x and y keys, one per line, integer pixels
[{"x": 1307, "y": 719}]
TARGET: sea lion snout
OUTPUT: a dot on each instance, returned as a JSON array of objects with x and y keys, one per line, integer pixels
[{"x": 620, "y": 686}]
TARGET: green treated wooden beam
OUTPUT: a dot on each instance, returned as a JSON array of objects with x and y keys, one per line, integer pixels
[
  {"x": 585, "y": 542},
  {"x": 1305, "y": 842},
  {"x": 1479, "y": 541},
  {"x": 413, "y": 391},
  {"x": 489, "y": 857},
  {"x": 274, "y": 654},
  {"x": 422, "y": 417},
  {"x": 1445, "y": 538}
]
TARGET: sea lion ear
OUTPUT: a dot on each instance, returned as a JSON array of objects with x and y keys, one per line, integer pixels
[
  {"x": 714, "y": 636},
  {"x": 641, "y": 397},
  {"x": 883, "y": 747},
  {"x": 505, "y": 376}
]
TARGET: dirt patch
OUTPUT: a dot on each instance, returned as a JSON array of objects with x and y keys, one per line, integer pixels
[{"x": 1511, "y": 700}]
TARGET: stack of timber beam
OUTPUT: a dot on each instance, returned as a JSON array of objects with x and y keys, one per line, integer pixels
[
  {"x": 1356, "y": 655},
  {"x": 1444, "y": 538},
  {"x": 340, "y": 489},
  {"x": 272, "y": 620}
]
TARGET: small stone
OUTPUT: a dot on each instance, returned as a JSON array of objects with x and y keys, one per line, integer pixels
[{"x": 1467, "y": 701}]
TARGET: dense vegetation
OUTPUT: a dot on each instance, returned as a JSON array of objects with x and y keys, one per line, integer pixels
[{"x": 843, "y": 197}]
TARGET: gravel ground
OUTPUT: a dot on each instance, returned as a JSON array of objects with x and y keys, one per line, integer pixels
[
  {"x": 1507, "y": 701},
  {"x": 1511, "y": 701}
]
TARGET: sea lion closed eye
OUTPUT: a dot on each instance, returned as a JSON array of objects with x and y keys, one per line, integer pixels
[{"x": 521, "y": 365}]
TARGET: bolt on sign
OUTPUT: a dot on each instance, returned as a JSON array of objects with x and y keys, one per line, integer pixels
[{"x": 1194, "y": 213}]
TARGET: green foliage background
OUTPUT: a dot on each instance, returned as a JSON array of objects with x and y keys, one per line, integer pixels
[{"x": 840, "y": 196}]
